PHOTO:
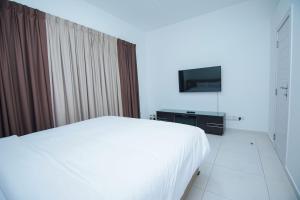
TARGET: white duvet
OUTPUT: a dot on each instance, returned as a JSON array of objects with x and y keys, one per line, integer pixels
[{"x": 103, "y": 158}]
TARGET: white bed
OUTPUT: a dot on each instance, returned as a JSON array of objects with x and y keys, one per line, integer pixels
[{"x": 103, "y": 158}]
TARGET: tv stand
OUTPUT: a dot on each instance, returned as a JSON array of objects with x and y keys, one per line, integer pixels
[{"x": 210, "y": 122}]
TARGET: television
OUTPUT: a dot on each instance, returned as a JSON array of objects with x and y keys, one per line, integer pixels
[{"x": 200, "y": 80}]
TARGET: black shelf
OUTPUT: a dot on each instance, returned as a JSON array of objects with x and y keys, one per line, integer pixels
[{"x": 210, "y": 122}]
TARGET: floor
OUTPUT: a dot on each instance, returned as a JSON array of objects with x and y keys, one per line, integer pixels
[{"x": 242, "y": 165}]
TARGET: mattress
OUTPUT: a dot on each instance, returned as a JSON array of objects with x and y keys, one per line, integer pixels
[
  {"x": 2, "y": 195},
  {"x": 102, "y": 158}
]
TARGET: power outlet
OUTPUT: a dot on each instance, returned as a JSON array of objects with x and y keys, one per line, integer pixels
[
  {"x": 152, "y": 117},
  {"x": 234, "y": 118}
]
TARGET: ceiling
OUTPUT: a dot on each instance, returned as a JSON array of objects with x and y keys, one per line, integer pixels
[{"x": 152, "y": 14}]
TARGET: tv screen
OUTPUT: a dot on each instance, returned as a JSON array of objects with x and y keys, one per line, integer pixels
[{"x": 200, "y": 80}]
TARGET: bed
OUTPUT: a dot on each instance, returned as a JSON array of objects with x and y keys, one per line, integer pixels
[{"x": 102, "y": 158}]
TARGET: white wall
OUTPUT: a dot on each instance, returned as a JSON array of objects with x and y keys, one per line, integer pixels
[
  {"x": 236, "y": 37},
  {"x": 293, "y": 140},
  {"x": 88, "y": 15}
]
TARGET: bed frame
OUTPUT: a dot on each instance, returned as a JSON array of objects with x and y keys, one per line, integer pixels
[{"x": 189, "y": 186}]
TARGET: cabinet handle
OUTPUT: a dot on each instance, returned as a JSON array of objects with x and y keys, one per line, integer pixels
[
  {"x": 213, "y": 126},
  {"x": 161, "y": 118}
]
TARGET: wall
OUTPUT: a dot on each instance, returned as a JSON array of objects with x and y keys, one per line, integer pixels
[
  {"x": 88, "y": 15},
  {"x": 293, "y": 140},
  {"x": 236, "y": 37}
]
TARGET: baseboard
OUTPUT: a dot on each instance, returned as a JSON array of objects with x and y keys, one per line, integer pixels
[
  {"x": 291, "y": 180},
  {"x": 288, "y": 174},
  {"x": 271, "y": 139},
  {"x": 297, "y": 192},
  {"x": 246, "y": 130}
]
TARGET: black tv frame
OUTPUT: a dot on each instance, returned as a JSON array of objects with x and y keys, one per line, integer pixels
[{"x": 180, "y": 80}]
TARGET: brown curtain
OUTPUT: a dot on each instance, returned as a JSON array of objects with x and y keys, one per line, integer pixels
[
  {"x": 128, "y": 79},
  {"x": 3, "y": 4},
  {"x": 25, "y": 102}
]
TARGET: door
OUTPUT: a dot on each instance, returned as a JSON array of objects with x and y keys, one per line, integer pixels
[{"x": 282, "y": 85}]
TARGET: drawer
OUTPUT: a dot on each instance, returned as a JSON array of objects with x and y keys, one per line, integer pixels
[
  {"x": 202, "y": 126},
  {"x": 212, "y": 129},
  {"x": 186, "y": 119},
  {"x": 216, "y": 130},
  {"x": 165, "y": 116},
  {"x": 214, "y": 120}
]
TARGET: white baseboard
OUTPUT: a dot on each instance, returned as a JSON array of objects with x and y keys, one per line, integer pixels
[
  {"x": 246, "y": 130},
  {"x": 287, "y": 172},
  {"x": 291, "y": 180},
  {"x": 297, "y": 192}
]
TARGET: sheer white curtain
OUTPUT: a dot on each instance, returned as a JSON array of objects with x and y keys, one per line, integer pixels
[{"x": 84, "y": 72}]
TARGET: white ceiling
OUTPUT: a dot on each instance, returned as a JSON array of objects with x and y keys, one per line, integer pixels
[{"x": 152, "y": 14}]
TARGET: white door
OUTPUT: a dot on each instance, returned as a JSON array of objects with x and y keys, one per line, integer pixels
[{"x": 282, "y": 85}]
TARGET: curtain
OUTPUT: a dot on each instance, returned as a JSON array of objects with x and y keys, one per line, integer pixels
[
  {"x": 25, "y": 102},
  {"x": 129, "y": 79},
  {"x": 84, "y": 72},
  {"x": 3, "y": 4}
]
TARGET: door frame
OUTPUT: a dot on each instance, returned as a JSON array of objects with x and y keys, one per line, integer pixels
[{"x": 287, "y": 16}]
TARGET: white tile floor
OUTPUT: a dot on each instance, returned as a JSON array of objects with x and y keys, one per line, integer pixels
[{"x": 238, "y": 170}]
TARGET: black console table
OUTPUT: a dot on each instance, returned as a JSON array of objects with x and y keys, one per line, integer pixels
[{"x": 210, "y": 122}]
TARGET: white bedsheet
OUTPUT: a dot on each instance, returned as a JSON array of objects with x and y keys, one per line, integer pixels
[{"x": 103, "y": 158}]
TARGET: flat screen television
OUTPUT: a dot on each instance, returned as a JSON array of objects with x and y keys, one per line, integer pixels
[{"x": 200, "y": 80}]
